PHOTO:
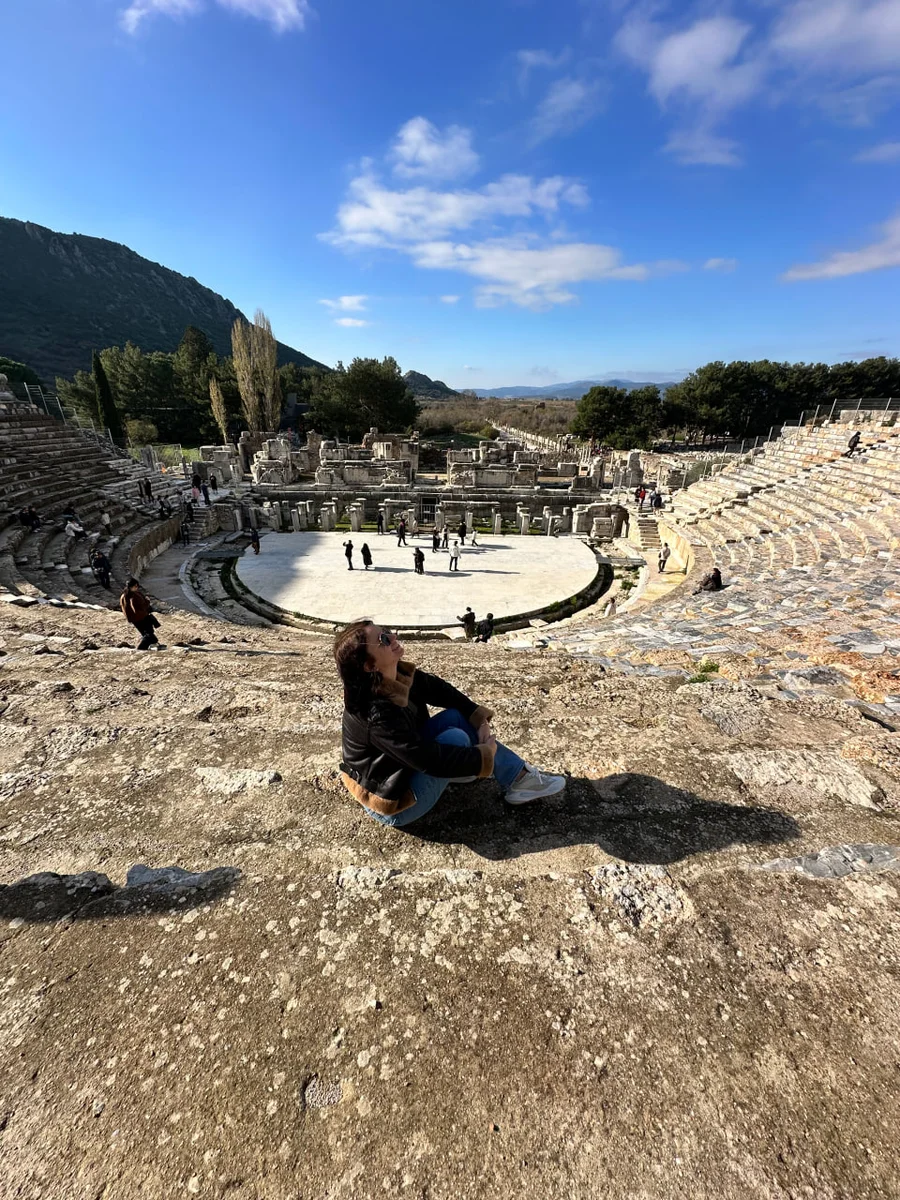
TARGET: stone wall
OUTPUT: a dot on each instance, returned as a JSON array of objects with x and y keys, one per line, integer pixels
[{"x": 152, "y": 543}]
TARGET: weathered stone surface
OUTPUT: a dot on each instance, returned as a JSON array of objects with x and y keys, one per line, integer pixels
[
  {"x": 835, "y": 862},
  {"x": 46, "y": 895}
]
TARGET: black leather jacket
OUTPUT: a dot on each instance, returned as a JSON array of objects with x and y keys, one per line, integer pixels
[{"x": 381, "y": 752}]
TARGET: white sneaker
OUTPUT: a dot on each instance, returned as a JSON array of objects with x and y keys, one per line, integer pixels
[{"x": 533, "y": 785}]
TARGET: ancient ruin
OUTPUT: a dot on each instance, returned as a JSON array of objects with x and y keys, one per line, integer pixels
[{"x": 676, "y": 978}]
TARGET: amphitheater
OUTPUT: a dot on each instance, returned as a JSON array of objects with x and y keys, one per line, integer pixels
[{"x": 678, "y": 978}]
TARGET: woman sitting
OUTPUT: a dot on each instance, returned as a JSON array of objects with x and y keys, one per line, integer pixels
[{"x": 397, "y": 759}]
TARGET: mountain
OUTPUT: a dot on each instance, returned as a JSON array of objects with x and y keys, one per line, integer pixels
[
  {"x": 563, "y": 391},
  {"x": 65, "y": 294},
  {"x": 428, "y": 389}
]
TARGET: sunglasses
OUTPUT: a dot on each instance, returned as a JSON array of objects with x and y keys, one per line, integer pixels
[{"x": 385, "y": 637}]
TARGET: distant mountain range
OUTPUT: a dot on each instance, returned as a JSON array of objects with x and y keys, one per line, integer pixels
[
  {"x": 64, "y": 295},
  {"x": 563, "y": 391}
]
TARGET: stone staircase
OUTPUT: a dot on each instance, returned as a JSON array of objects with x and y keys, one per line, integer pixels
[
  {"x": 808, "y": 543},
  {"x": 58, "y": 468}
]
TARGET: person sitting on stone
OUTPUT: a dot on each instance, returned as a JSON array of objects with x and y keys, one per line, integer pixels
[
  {"x": 711, "y": 582},
  {"x": 486, "y": 629},
  {"x": 397, "y": 759},
  {"x": 165, "y": 509},
  {"x": 75, "y": 530}
]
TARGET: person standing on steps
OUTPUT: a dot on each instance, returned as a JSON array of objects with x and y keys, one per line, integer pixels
[
  {"x": 462, "y": 531},
  {"x": 205, "y": 490},
  {"x": 397, "y": 759},
  {"x": 366, "y": 555},
  {"x": 101, "y": 567},
  {"x": 445, "y": 537},
  {"x": 254, "y": 539},
  {"x": 401, "y": 532},
  {"x": 657, "y": 500},
  {"x": 467, "y": 620},
  {"x": 454, "y": 557},
  {"x": 136, "y": 607},
  {"x": 348, "y": 554},
  {"x": 852, "y": 444},
  {"x": 435, "y": 541},
  {"x": 486, "y": 629},
  {"x": 419, "y": 561},
  {"x": 214, "y": 484},
  {"x": 664, "y": 556},
  {"x": 379, "y": 522}
]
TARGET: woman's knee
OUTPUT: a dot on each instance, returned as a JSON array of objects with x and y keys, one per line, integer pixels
[{"x": 454, "y": 737}]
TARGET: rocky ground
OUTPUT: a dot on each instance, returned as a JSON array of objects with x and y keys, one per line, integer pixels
[{"x": 679, "y": 978}]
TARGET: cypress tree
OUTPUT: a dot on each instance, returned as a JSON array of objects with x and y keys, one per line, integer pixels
[{"x": 106, "y": 406}]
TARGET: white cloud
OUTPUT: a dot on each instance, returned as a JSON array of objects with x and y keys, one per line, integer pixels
[
  {"x": 843, "y": 36},
  {"x": 487, "y": 233},
  {"x": 531, "y": 59},
  {"x": 700, "y": 146},
  {"x": 875, "y": 257},
  {"x": 720, "y": 264},
  {"x": 351, "y": 322},
  {"x": 282, "y": 15},
  {"x": 887, "y": 152},
  {"x": 346, "y": 304},
  {"x": 422, "y": 151},
  {"x": 377, "y": 215},
  {"x": 566, "y": 106},
  {"x": 512, "y": 270}
]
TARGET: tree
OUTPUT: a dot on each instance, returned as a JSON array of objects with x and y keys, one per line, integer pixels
[
  {"x": 217, "y": 403},
  {"x": 80, "y": 395},
  {"x": 265, "y": 366},
  {"x": 17, "y": 372},
  {"x": 622, "y": 419},
  {"x": 351, "y": 400},
  {"x": 106, "y": 406},
  {"x": 242, "y": 353},
  {"x": 141, "y": 433}
]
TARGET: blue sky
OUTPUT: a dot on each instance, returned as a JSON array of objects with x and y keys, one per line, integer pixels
[{"x": 507, "y": 191}]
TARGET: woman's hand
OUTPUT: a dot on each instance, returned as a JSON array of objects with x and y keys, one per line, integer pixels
[{"x": 484, "y": 733}]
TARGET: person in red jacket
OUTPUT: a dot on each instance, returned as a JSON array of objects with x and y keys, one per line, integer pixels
[{"x": 136, "y": 607}]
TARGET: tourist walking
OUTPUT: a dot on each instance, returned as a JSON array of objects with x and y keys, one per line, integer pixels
[
  {"x": 105, "y": 523},
  {"x": 852, "y": 444},
  {"x": 467, "y": 620},
  {"x": 214, "y": 484},
  {"x": 664, "y": 556},
  {"x": 379, "y": 522},
  {"x": 637, "y": 494},
  {"x": 75, "y": 530},
  {"x": 486, "y": 629},
  {"x": 100, "y": 565},
  {"x": 205, "y": 490},
  {"x": 185, "y": 533},
  {"x": 462, "y": 531},
  {"x": 401, "y": 532},
  {"x": 435, "y": 541},
  {"x": 165, "y": 510},
  {"x": 473, "y": 539},
  {"x": 136, "y": 607},
  {"x": 445, "y": 537},
  {"x": 148, "y": 490},
  {"x": 657, "y": 500},
  {"x": 348, "y": 554},
  {"x": 366, "y": 555},
  {"x": 419, "y": 561},
  {"x": 454, "y": 557},
  {"x": 397, "y": 759},
  {"x": 254, "y": 540},
  {"x": 610, "y": 609}
]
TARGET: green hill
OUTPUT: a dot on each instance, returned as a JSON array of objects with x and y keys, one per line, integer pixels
[
  {"x": 428, "y": 389},
  {"x": 65, "y": 294}
]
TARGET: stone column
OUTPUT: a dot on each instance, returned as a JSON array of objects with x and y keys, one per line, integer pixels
[
  {"x": 295, "y": 520},
  {"x": 355, "y": 518},
  {"x": 565, "y": 521},
  {"x": 470, "y": 520},
  {"x": 498, "y": 524},
  {"x": 524, "y": 520}
]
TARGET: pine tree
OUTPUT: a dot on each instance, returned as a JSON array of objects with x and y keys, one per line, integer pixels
[{"x": 106, "y": 407}]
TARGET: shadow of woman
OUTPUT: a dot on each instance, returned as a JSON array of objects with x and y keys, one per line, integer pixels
[{"x": 637, "y": 818}]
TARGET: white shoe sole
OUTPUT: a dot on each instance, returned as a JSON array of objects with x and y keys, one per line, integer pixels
[{"x": 552, "y": 789}]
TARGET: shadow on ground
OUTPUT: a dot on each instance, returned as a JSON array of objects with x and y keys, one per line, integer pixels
[{"x": 637, "y": 818}]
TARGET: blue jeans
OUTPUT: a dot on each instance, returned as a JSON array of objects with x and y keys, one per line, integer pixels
[{"x": 451, "y": 728}]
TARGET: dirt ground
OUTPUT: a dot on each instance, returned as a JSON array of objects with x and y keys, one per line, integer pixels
[{"x": 603, "y": 995}]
